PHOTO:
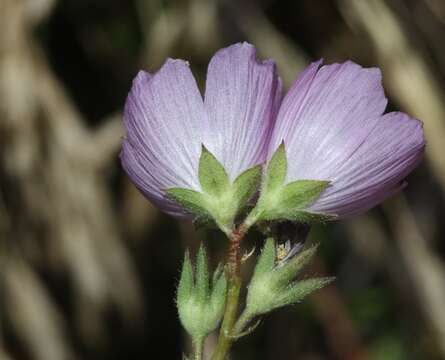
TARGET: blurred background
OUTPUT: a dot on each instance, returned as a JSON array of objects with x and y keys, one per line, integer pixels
[{"x": 89, "y": 268}]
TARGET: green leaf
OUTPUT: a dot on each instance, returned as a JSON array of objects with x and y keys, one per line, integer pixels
[
  {"x": 276, "y": 170},
  {"x": 191, "y": 201},
  {"x": 266, "y": 260},
  {"x": 246, "y": 184},
  {"x": 301, "y": 193},
  {"x": 185, "y": 286},
  {"x": 212, "y": 176},
  {"x": 202, "y": 276},
  {"x": 298, "y": 291}
]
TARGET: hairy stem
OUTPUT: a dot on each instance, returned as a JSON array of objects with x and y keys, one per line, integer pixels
[{"x": 226, "y": 339}]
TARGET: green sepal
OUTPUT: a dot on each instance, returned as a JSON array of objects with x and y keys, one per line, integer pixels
[
  {"x": 289, "y": 201},
  {"x": 247, "y": 184},
  {"x": 185, "y": 286},
  {"x": 309, "y": 217},
  {"x": 220, "y": 201},
  {"x": 260, "y": 296},
  {"x": 202, "y": 276},
  {"x": 298, "y": 291},
  {"x": 280, "y": 201},
  {"x": 266, "y": 260},
  {"x": 190, "y": 200},
  {"x": 276, "y": 170},
  {"x": 301, "y": 193},
  {"x": 217, "y": 273},
  {"x": 273, "y": 283},
  {"x": 218, "y": 296},
  {"x": 212, "y": 176},
  {"x": 204, "y": 223}
]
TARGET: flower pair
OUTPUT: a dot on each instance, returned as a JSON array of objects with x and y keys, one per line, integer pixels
[{"x": 330, "y": 124}]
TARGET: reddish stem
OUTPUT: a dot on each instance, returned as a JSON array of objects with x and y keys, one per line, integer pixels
[
  {"x": 234, "y": 258},
  {"x": 233, "y": 290}
]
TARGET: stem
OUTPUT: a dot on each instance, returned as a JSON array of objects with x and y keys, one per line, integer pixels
[
  {"x": 198, "y": 346},
  {"x": 225, "y": 339}
]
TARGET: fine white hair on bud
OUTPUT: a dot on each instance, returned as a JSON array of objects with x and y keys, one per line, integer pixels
[
  {"x": 200, "y": 299},
  {"x": 273, "y": 283}
]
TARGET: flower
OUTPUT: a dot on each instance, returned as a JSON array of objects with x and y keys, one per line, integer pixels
[
  {"x": 338, "y": 153},
  {"x": 167, "y": 122},
  {"x": 333, "y": 128}
]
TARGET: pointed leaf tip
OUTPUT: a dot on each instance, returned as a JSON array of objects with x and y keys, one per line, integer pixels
[
  {"x": 266, "y": 260},
  {"x": 276, "y": 169},
  {"x": 212, "y": 175},
  {"x": 218, "y": 297},
  {"x": 202, "y": 275},
  {"x": 185, "y": 286},
  {"x": 298, "y": 291},
  {"x": 307, "y": 217},
  {"x": 246, "y": 184},
  {"x": 217, "y": 273},
  {"x": 301, "y": 193},
  {"x": 191, "y": 201}
]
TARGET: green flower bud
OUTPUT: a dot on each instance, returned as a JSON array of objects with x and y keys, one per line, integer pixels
[
  {"x": 272, "y": 284},
  {"x": 200, "y": 301}
]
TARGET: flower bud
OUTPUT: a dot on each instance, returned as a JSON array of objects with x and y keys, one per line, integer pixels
[
  {"x": 200, "y": 305},
  {"x": 273, "y": 286}
]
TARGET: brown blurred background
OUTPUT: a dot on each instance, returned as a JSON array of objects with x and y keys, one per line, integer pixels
[{"x": 88, "y": 267}]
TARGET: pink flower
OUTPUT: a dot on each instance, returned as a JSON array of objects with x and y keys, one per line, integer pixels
[
  {"x": 167, "y": 121},
  {"x": 333, "y": 128},
  {"x": 331, "y": 122}
]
